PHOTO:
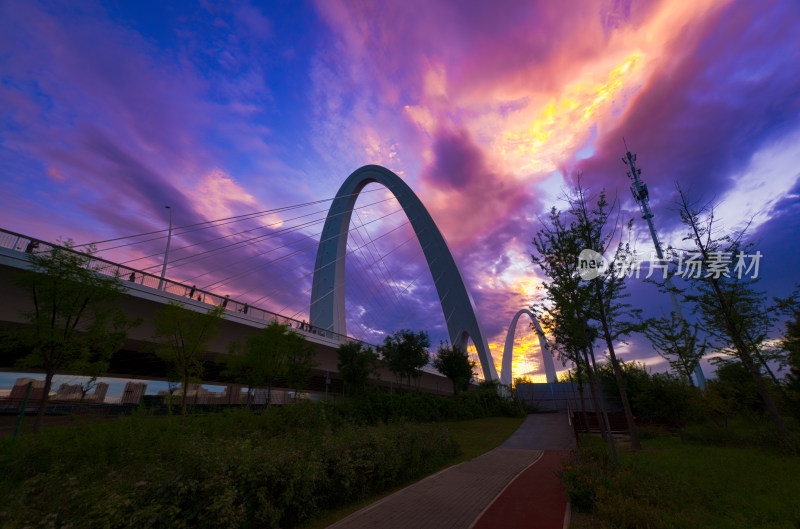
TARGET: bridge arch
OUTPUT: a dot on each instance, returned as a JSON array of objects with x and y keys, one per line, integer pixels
[
  {"x": 327, "y": 309},
  {"x": 508, "y": 350}
]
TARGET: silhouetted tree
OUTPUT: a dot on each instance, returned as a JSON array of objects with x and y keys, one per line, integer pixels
[
  {"x": 259, "y": 360},
  {"x": 300, "y": 360},
  {"x": 356, "y": 363},
  {"x": 454, "y": 363},
  {"x": 572, "y": 302},
  {"x": 728, "y": 305},
  {"x": 406, "y": 353},
  {"x": 597, "y": 229},
  {"x": 74, "y": 320},
  {"x": 181, "y": 336},
  {"x": 676, "y": 341}
]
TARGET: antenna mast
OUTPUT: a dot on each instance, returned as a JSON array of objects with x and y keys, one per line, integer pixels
[{"x": 642, "y": 196}]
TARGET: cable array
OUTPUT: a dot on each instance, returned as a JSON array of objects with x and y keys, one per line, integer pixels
[{"x": 265, "y": 258}]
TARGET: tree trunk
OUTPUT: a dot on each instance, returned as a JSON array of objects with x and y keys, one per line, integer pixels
[
  {"x": 183, "y": 394},
  {"x": 735, "y": 335},
  {"x": 766, "y": 397},
  {"x": 48, "y": 382},
  {"x": 601, "y": 424},
  {"x": 583, "y": 401},
  {"x": 626, "y": 406}
]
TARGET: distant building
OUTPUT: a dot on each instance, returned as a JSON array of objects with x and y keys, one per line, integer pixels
[
  {"x": 21, "y": 387},
  {"x": 133, "y": 392},
  {"x": 75, "y": 392},
  {"x": 69, "y": 392},
  {"x": 99, "y": 395}
]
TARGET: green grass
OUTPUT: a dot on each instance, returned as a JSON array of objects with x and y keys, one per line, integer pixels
[
  {"x": 674, "y": 484},
  {"x": 474, "y": 437}
]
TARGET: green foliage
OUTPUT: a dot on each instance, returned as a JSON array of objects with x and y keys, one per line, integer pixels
[
  {"x": 274, "y": 351},
  {"x": 405, "y": 353},
  {"x": 574, "y": 308},
  {"x": 260, "y": 359},
  {"x": 659, "y": 398},
  {"x": 300, "y": 360},
  {"x": 371, "y": 408},
  {"x": 229, "y": 470},
  {"x": 74, "y": 323},
  {"x": 356, "y": 363},
  {"x": 635, "y": 378},
  {"x": 730, "y": 308},
  {"x": 528, "y": 380},
  {"x": 734, "y": 381},
  {"x": 181, "y": 336},
  {"x": 666, "y": 399},
  {"x": 790, "y": 346},
  {"x": 583, "y": 473},
  {"x": 454, "y": 363},
  {"x": 676, "y": 342}
]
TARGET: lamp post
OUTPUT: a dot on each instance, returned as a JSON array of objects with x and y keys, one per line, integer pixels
[{"x": 166, "y": 253}]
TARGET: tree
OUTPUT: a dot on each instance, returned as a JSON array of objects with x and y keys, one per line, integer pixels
[
  {"x": 664, "y": 398},
  {"x": 454, "y": 363},
  {"x": 300, "y": 360},
  {"x": 74, "y": 320},
  {"x": 613, "y": 315},
  {"x": 676, "y": 342},
  {"x": 356, "y": 363},
  {"x": 405, "y": 353},
  {"x": 790, "y": 345},
  {"x": 573, "y": 302},
  {"x": 729, "y": 307},
  {"x": 259, "y": 360},
  {"x": 568, "y": 300},
  {"x": 181, "y": 336}
]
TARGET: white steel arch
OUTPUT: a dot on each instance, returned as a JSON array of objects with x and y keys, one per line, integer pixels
[
  {"x": 327, "y": 309},
  {"x": 508, "y": 350}
]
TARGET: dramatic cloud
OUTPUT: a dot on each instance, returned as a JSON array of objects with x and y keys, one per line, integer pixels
[{"x": 489, "y": 111}]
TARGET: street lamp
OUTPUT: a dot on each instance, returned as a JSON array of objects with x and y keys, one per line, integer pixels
[{"x": 166, "y": 253}]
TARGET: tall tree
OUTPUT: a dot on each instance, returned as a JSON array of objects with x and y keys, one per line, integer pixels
[
  {"x": 729, "y": 306},
  {"x": 74, "y": 320},
  {"x": 568, "y": 299},
  {"x": 598, "y": 228},
  {"x": 356, "y": 363},
  {"x": 676, "y": 342},
  {"x": 300, "y": 360},
  {"x": 454, "y": 363},
  {"x": 593, "y": 229},
  {"x": 260, "y": 360},
  {"x": 181, "y": 336},
  {"x": 406, "y": 353}
]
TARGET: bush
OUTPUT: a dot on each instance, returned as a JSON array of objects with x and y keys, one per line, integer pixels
[
  {"x": 155, "y": 473},
  {"x": 583, "y": 475}
]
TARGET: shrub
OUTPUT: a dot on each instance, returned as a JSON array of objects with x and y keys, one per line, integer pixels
[
  {"x": 583, "y": 474},
  {"x": 195, "y": 479}
]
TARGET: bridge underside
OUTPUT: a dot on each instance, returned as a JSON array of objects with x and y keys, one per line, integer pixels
[{"x": 136, "y": 359}]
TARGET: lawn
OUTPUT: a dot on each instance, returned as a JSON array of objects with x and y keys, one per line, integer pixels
[{"x": 674, "y": 484}]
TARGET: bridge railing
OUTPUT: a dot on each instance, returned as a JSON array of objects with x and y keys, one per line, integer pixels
[{"x": 25, "y": 244}]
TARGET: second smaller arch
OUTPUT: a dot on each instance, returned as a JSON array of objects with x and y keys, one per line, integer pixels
[{"x": 508, "y": 350}]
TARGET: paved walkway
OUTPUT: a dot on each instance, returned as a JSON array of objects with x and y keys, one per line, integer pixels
[{"x": 511, "y": 486}]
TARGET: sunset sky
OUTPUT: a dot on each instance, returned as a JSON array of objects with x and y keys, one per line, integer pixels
[{"x": 488, "y": 110}]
